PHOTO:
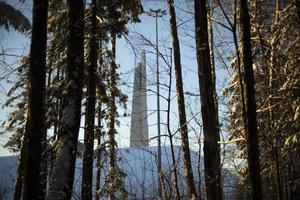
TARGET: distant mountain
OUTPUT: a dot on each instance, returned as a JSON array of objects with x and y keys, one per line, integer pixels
[{"x": 140, "y": 165}]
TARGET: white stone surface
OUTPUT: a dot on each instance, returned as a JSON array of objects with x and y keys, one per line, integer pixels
[{"x": 139, "y": 134}]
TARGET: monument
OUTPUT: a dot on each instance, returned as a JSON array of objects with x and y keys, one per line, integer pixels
[{"x": 139, "y": 135}]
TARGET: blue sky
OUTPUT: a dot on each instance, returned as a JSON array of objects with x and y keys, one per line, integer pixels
[{"x": 17, "y": 43}]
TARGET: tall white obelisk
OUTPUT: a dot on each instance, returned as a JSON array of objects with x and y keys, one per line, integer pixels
[{"x": 139, "y": 135}]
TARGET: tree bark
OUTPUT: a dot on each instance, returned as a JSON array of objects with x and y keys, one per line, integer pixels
[
  {"x": 272, "y": 87},
  {"x": 98, "y": 155},
  {"x": 55, "y": 125},
  {"x": 174, "y": 165},
  {"x": 251, "y": 121},
  {"x": 36, "y": 105},
  {"x": 61, "y": 182},
  {"x": 20, "y": 169},
  {"x": 99, "y": 134},
  {"x": 212, "y": 56},
  {"x": 209, "y": 113},
  {"x": 112, "y": 115},
  {"x": 181, "y": 104},
  {"x": 20, "y": 176},
  {"x": 88, "y": 154}
]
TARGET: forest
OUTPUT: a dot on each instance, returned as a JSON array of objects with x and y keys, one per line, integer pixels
[{"x": 222, "y": 94}]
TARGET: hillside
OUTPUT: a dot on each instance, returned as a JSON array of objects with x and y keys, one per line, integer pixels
[{"x": 140, "y": 165}]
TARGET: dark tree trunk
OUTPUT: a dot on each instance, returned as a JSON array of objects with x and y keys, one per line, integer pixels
[
  {"x": 45, "y": 145},
  {"x": 61, "y": 182},
  {"x": 112, "y": 113},
  {"x": 36, "y": 105},
  {"x": 209, "y": 113},
  {"x": 251, "y": 121},
  {"x": 98, "y": 155},
  {"x": 100, "y": 96},
  {"x": 100, "y": 115},
  {"x": 181, "y": 105},
  {"x": 20, "y": 176},
  {"x": 51, "y": 152},
  {"x": 87, "y": 170},
  {"x": 273, "y": 86},
  {"x": 20, "y": 169}
]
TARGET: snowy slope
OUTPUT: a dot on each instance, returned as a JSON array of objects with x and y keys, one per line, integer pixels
[
  {"x": 140, "y": 165},
  {"x": 8, "y": 168}
]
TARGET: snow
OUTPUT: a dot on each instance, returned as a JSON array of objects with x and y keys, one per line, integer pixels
[
  {"x": 140, "y": 165},
  {"x": 8, "y": 168}
]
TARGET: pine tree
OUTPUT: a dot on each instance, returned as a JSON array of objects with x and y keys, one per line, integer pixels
[
  {"x": 61, "y": 182},
  {"x": 9, "y": 16},
  {"x": 274, "y": 51},
  {"x": 88, "y": 154},
  {"x": 101, "y": 96},
  {"x": 116, "y": 16}
]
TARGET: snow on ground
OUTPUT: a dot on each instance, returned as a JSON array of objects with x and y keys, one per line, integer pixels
[
  {"x": 140, "y": 165},
  {"x": 8, "y": 168}
]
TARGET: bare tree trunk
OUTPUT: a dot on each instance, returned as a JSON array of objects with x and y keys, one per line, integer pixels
[
  {"x": 61, "y": 182},
  {"x": 212, "y": 57},
  {"x": 251, "y": 121},
  {"x": 88, "y": 155},
  {"x": 209, "y": 113},
  {"x": 181, "y": 105},
  {"x": 36, "y": 108},
  {"x": 174, "y": 165}
]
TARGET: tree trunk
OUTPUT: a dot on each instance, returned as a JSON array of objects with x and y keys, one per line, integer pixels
[
  {"x": 251, "y": 121},
  {"x": 98, "y": 155},
  {"x": 271, "y": 89},
  {"x": 112, "y": 116},
  {"x": 212, "y": 57},
  {"x": 99, "y": 134},
  {"x": 181, "y": 104},
  {"x": 45, "y": 144},
  {"x": 20, "y": 176},
  {"x": 55, "y": 125},
  {"x": 174, "y": 165},
  {"x": 20, "y": 169},
  {"x": 36, "y": 104},
  {"x": 209, "y": 113},
  {"x": 87, "y": 168},
  {"x": 61, "y": 182}
]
